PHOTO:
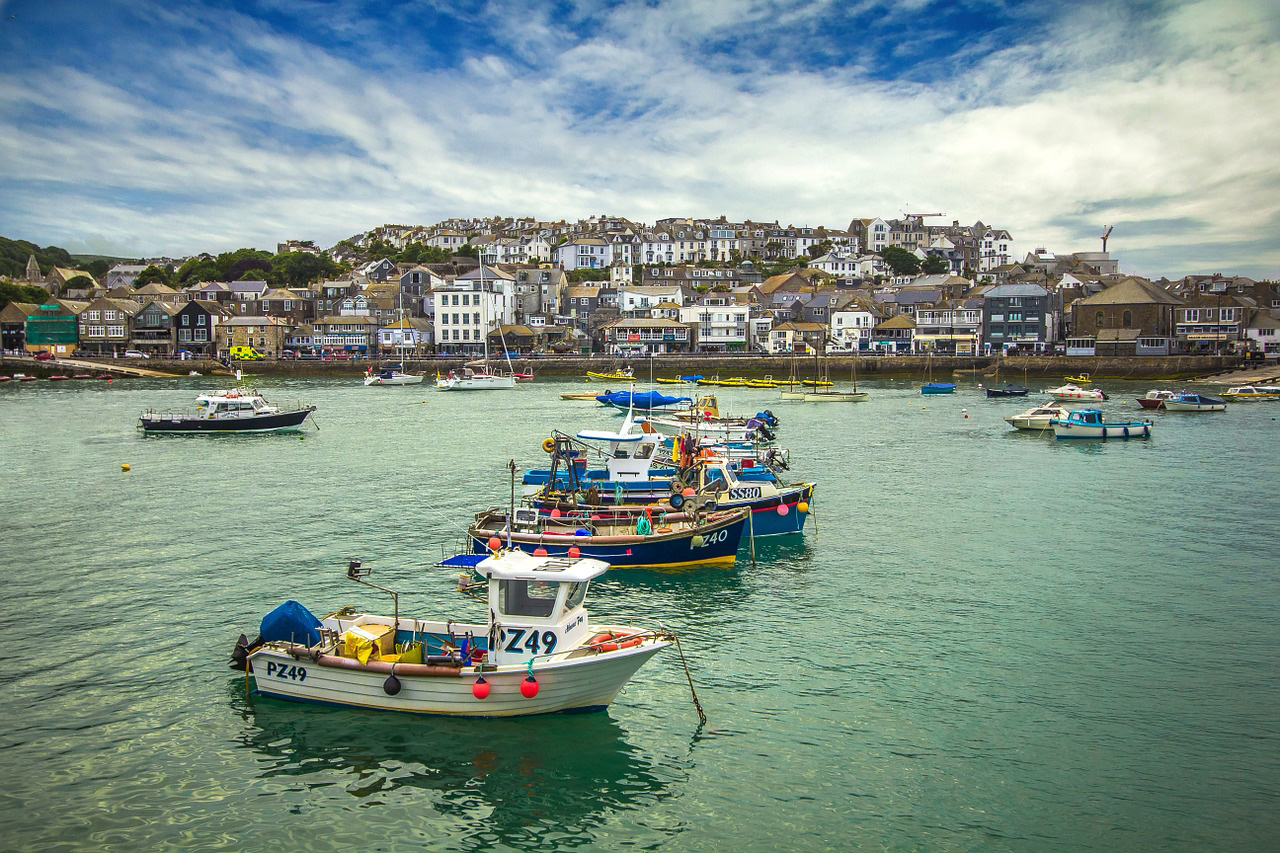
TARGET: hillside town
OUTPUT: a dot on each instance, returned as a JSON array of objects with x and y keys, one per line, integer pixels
[{"x": 625, "y": 289}]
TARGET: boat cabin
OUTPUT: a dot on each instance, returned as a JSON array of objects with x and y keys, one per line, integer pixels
[
  {"x": 1086, "y": 417},
  {"x": 537, "y": 603}
]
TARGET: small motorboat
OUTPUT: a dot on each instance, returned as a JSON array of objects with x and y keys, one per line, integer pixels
[
  {"x": 1037, "y": 418},
  {"x": 391, "y": 375},
  {"x": 539, "y": 652},
  {"x": 1187, "y": 401},
  {"x": 1251, "y": 392},
  {"x": 931, "y": 388},
  {"x": 523, "y": 377},
  {"x": 1154, "y": 399},
  {"x": 1075, "y": 392},
  {"x": 576, "y": 395},
  {"x": 226, "y": 411},
  {"x": 1088, "y": 423},
  {"x": 623, "y": 375},
  {"x": 59, "y": 378},
  {"x": 1008, "y": 391},
  {"x": 22, "y": 377},
  {"x": 82, "y": 376},
  {"x": 1082, "y": 379}
]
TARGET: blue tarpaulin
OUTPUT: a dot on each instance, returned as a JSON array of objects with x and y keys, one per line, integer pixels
[
  {"x": 640, "y": 400},
  {"x": 291, "y": 622}
]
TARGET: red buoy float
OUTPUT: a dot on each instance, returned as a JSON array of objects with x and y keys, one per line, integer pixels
[
  {"x": 529, "y": 687},
  {"x": 481, "y": 688},
  {"x": 494, "y": 543},
  {"x": 539, "y": 552},
  {"x": 575, "y": 552}
]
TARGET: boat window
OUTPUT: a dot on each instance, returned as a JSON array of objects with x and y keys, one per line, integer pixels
[
  {"x": 528, "y": 598},
  {"x": 577, "y": 592},
  {"x": 644, "y": 451},
  {"x": 714, "y": 474}
]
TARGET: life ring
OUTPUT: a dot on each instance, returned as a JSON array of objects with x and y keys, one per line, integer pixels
[
  {"x": 549, "y": 445},
  {"x": 677, "y": 501},
  {"x": 631, "y": 643},
  {"x": 608, "y": 647},
  {"x": 601, "y": 638},
  {"x": 663, "y": 530}
]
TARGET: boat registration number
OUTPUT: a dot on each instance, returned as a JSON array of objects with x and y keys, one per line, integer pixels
[
  {"x": 744, "y": 493},
  {"x": 520, "y": 640},
  {"x": 286, "y": 671}
]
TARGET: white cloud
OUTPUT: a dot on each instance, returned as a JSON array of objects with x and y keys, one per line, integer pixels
[{"x": 616, "y": 109}]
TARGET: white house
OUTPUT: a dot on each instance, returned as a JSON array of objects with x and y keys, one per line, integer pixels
[
  {"x": 584, "y": 253},
  {"x": 722, "y": 324},
  {"x": 634, "y": 297},
  {"x": 850, "y": 327},
  {"x": 471, "y": 306}
]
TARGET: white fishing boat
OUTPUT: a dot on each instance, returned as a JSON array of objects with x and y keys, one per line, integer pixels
[
  {"x": 1088, "y": 423},
  {"x": 539, "y": 652},
  {"x": 1075, "y": 392},
  {"x": 391, "y": 375},
  {"x": 704, "y": 420},
  {"x": 1037, "y": 418}
]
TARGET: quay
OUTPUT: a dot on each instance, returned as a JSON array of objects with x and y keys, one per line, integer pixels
[{"x": 838, "y": 367}]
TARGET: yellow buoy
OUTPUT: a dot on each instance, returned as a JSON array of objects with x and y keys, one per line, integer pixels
[
  {"x": 803, "y": 506},
  {"x": 124, "y": 468}
]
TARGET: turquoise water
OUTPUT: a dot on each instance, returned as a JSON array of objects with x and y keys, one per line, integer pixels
[{"x": 986, "y": 640}]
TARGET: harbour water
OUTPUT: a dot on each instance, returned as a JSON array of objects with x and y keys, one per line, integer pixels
[{"x": 986, "y": 639}]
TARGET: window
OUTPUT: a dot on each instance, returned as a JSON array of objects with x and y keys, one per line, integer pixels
[
  {"x": 186, "y": 319},
  {"x": 476, "y": 319},
  {"x": 108, "y": 315},
  {"x": 184, "y": 335},
  {"x": 1097, "y": 319},
  {"x": 200, "y": 319},
  {"x": 1126, "y": 319},
  {"x": 466, "y": 297}
]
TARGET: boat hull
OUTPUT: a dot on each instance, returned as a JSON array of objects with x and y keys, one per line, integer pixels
[
  {"x": 579, "y": 685},
  {"x": 934, "y": 388},
  {"x": 719, "y": 545},
  {"x": 1008, "y": 391},
  {"x": 1150, "y": 403},
  {"x": 478, "y": 383},
  {"x": 834, "y": 397},
  {"x": 1132, "y": 429},
  {"x": 277, "y": 422},
  {"x": 1183, "y": 406},
  {"x": 404, "y": 379}
]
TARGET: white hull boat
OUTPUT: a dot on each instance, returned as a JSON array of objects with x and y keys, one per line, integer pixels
[
  {"x": 539, "y": 653},
  {"x": 1037, "y": 418},
  {"x": 472, "y": 380},
  {"x": 1075, "y": 392},
  {"x": 1188, "y": 402},
  {"x": 391, "y": 376}
]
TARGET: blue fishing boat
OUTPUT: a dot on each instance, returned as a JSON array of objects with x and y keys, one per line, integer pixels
[
  {"x": 658, "y": 540},
  {"x": 1088, "y": 423},
  {"x": 938, "y": 388}
]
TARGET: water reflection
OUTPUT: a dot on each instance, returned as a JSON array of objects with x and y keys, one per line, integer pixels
[{"x": 497, "y": 781}]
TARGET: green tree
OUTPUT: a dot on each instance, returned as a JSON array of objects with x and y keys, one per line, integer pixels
[
  {"x": 935, "y": 264},
  {"x": 817, "y": 250},
  {"x": 152, "y": 274},
  {"x": 198, "y": 269},
  {"x": 29, "y": 293},
  {"x": 96, "y": 268},
  {"x": 249, "y": 269},
  {"x": 468, "y": 250},
  {"x": 295, "y": 269},
  {"x": 900, "y": 260},
  {"x": 79, "y": 282},
  {"x": 576, "y": 276}
]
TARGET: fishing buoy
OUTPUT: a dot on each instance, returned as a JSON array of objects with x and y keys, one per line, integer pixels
[
  {"x": 697, "y": 541},
  {"x": 922, "y": 408},
  {"x": 549, "y": 445},
  {"x": 555, "y": 513},
  {"x": 125, "y": 468},
  {"x": 966, "y": 417},
  {"x": 494, "y": 543},
  {"x": 481, "y": 688},
  {"x": 529, "y": 687},
  {"x": 803, "y": 506},
  {"x": 595, "y": 516},
  {"x": 782, "y": 509},
  {"x": 688, "y": 493},
  {"x": 392, "y": 685},
  {"x": 539, "y": 552},
  {"x": 575, "y": 552}
]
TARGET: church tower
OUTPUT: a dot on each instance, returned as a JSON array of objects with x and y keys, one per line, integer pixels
[{"x": 33, "y": 271}]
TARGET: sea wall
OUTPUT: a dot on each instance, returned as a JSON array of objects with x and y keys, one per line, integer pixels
[{"x": 839, "y": 367}]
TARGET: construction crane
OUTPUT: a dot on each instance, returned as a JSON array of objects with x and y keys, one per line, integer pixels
[
  {"x": 1106, "y": 232},
  {"x": 918, "y": 215}
]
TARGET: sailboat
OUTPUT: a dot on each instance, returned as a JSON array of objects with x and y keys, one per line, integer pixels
[
  {"x": 477, "y": 376},
  {"x": 794, "y": 389},
  {"x": 823, "y": 395},
  {"x": 394, "y": 374},
  {"x": 1006, "y": 390},
  {"x": 932, "y": 387}
]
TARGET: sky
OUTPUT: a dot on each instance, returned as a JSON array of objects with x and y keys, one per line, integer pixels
[{"x": 171, "y": 127}]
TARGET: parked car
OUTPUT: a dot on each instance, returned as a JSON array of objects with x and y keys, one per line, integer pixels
[
  {"x": 44, "y": 356},
  {"x": 134, "y": 353}
]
